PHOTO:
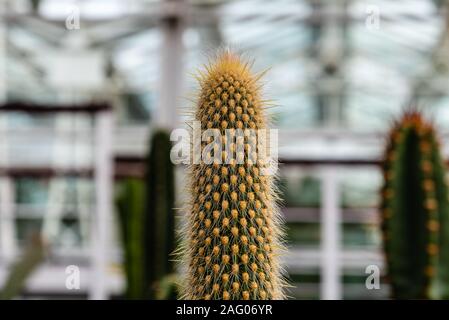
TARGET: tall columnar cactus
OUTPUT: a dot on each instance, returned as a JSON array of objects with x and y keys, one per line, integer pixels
[
  {"x": 148, "y": 222},
  {"x": 415, "y": 211},
  {"x": 160, "y": 219},
  {"x": 233, "y": 230}
]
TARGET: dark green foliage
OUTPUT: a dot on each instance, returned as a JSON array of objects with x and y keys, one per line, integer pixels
[
  {"x": 148, "y": 222},
  {"x": 415, "y": 211}
]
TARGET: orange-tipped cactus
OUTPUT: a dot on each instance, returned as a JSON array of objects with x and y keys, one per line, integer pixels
[
  {"x": 415, "y": 211},
  {"x": 233, "y": 230}
]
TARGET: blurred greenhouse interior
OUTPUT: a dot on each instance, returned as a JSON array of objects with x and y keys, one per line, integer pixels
[{"x": 110, "y": 72}]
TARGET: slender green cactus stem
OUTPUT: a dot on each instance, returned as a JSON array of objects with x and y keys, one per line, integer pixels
[{"x": 233, "y": 230}]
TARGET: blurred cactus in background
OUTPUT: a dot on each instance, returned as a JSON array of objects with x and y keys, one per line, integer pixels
[
  {"x": 168, "y": 287},
  {"x": 148, "y": 222},
  {"x": 21, "y": 270},
  {"x": 415, "y": 211},
  {"x": 233, "y": 233},
  {"x": 35, "y": 5},
  {"x": 131, "y": 204},
  {"x": 160, "y": 219}
]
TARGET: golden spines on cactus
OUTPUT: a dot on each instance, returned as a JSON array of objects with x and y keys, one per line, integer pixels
[{"x": 233, "y": 233}]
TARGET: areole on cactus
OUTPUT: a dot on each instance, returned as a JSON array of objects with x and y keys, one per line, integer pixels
[
  {"x": 415, "y": 211},
  {"x": 233, "y": 234}
]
